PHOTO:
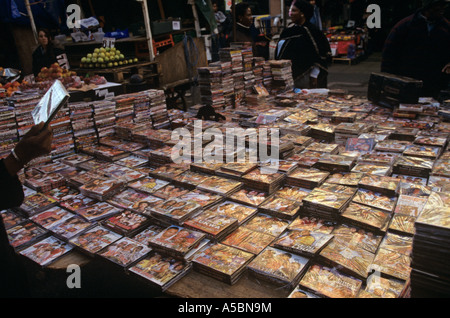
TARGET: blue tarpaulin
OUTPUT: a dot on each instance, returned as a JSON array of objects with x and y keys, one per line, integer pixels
[{"x": 46, "y": 13}]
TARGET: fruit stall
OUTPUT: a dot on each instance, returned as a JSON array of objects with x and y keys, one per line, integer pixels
[
  {"x": 124, "y": 61},
  {"x": 80, "y": 87},
  {"x": 117, "y": 64}
]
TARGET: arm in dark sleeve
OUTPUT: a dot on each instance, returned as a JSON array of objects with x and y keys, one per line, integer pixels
[
  {"x": 36, "y": 62},
  {"x": 11, "y": 190},
  {"x": 324, "y": 47}
]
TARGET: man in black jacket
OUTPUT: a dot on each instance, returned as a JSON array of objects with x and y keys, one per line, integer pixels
[{"x": 419, "y": 47}]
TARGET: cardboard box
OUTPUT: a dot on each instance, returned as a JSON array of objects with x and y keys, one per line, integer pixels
[
  {"x": 390, "y": 90},
  {"x": 165, "y": 26}
]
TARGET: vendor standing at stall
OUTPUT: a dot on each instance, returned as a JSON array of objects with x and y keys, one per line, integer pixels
[
  {"x": 247, "y": 32},
  {"x": 45, "y": 54},
  {"x": 306, "y": 46}
]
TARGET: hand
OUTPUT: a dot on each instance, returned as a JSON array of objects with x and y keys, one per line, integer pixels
[
  {"x": 34, "y": 143},
  {"x": 446, "y": 69}
]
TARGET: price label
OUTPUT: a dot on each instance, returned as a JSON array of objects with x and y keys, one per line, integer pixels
[
  {"x": 63, "y": 61},
  {"x": 176, "y": 25},
  {"x": 102, "y": 92},
  {"x": 110, "y": 95},
  {"x": 109, "y": 42}
]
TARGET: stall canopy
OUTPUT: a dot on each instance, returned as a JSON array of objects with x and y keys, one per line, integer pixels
[{"x": 46, "y": 13}]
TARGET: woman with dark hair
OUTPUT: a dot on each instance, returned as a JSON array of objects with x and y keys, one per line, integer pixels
[
  {"x": 306, "y": 46},
  {"x": 45, "y": 54}
]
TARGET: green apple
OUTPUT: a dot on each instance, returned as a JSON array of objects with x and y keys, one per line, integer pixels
[
  {"x": 135, "y": 60},
  {"x": 91, "y": 65},
  {"x": 89, "y": 56},
  {"x": 110, "y": 64},
  {"x": 88, "y": 60},
  {"x": 122, "y": 56},
  {"x": 83, "y": 60},
  {"x": 116, "y": 64},
  {"x": 97, "y": 51},
  {"x": 120, "y": 63},
  {"x": 94, "y": 60},
  {"x": 101, "y": 60},
  {"x": 95, "y": 55}
]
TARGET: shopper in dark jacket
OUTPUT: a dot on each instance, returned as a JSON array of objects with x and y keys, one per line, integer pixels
[
  {"x": 35, "y": 143},
  {"x": 247, "y": 32},
  {"x": 419, "y": 47},
  {"x": 306, "y": 46},
  {"x": 45, "y": 54}
]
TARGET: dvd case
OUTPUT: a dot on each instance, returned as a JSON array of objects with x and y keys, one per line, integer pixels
[
  {"x": 124, "y": 252},
  {"x": 161, "y": 270},
  {"x": 281, "y": 268},
  {"x": 46, "y": 251},
  {"x": 222, "y": 262}
]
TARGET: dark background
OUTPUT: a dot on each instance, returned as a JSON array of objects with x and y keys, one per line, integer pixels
[{"x": 127, "y": 14}]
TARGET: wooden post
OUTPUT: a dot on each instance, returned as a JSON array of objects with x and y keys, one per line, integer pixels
[
  {"x": 233, "y": 7},
  {"x": 33, "y": 25},
  {"x": 148, "y": 29},
  {"x": 161, "y": 10},
  {"x": 92, "y": 8},
  {"x": 197, "y": 24}
]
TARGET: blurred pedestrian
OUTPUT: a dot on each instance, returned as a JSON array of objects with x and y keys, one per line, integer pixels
[{"x": 419, "y": 47}]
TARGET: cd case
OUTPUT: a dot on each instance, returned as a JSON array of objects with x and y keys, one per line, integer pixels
[{"x": 55, "y": 98}]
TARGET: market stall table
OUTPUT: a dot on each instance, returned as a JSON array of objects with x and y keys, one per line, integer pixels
[
  {"x": 76, "y": 50},
  {"x": 197, "y": 285},
  {"x": 97, "y": 92},
  {"x": 117, "y": 74}
]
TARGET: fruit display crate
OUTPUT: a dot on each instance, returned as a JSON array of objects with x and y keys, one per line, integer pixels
[{"x": 121, "y": 73}]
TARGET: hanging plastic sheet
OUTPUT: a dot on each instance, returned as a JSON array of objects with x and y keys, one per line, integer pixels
[
  {"x": 206, "y": 9},
  {"x": 46, "y": 13}
]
